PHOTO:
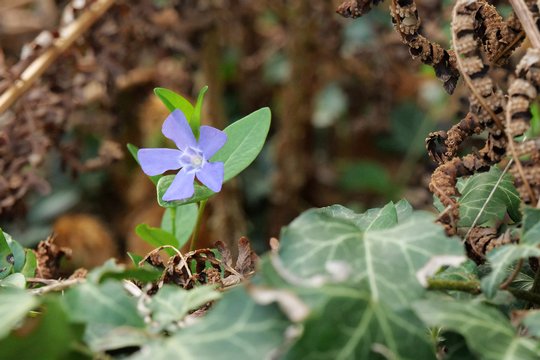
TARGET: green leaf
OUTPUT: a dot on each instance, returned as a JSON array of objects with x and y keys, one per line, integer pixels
[
  {"x": 6, "y": 256},
  {"x": 201, "y": 193},
  {"x": 184, "y": 222},
  {"x": 532, "y": 322},
  {"x": 133, "y": 151},
  {"x": 157, "y": 237},
  {"x": 30, "y": 265},
  {"x": 245, "y": 139},
  {"x": 403, "y": 209},
  {"x": 135, "y": 259},
  {"x": 146, "y": 274},
  {"x": 195, "y": 120},
  {"x": 360, "y": 325},
  {"x": 531, "y": 226},
  {"x": 488, "y": 333},
  {"x": 14, "y": 305},
  {"x": 236, "y": 328},
  {"x": 106, "y": 303},
  {"x": 16, "y": 280},
  {"x": 500, "y": 260},
  {"x": 104, "y": 337},
  {"x": 384, "y": 255},
  {"x": 50, "y": 337},
  {"x": 174, "y": 101},
  {"x": 18, "y": 253},
  {"x": 172, "y": 303},
  {"x": 475, "y": 192}
]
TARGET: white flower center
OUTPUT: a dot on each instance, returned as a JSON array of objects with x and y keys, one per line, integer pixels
[{"x": 192, "y": 159}]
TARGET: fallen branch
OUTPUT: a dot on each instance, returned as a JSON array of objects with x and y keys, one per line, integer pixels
[{"x": 69, "y": 34}]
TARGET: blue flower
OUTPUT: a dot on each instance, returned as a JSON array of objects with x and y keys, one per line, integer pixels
[{"x": 191, "y": 157}]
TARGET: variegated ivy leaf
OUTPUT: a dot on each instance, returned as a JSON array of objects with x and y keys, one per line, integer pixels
[
  {"x": 236, "y": 328},
  {"x": 501, "y": 260},
  {"x": 384, "y": 253},
  {"x": 475, "y": 195},
  {"x": 364, "y": 329},
  {"x": 488, "y": 333}
]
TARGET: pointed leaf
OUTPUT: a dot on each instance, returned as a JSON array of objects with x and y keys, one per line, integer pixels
[
  {"x": 184, "y": 222},
  {"x": 195, "y": 120},
  {"x": 157, "y": 237},
  {"x": 174, "y": 101},
  {"x": 245, "y": 139}
]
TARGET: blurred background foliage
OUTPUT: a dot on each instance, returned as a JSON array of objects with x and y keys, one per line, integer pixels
[{"x": 350, "y": 108}]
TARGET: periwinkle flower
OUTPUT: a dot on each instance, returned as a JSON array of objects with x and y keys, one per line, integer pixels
[{"x": 191, "y": 157}]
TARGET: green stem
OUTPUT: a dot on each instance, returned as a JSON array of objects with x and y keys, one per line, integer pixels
[
  {"x": 195, "y": 235},
  {"x": 173, "y": 221},
  {"x": 473, "y": 287}
]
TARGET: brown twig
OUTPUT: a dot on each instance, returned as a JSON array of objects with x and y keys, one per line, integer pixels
[
  {"x": 525, "y": 17},
  {"x": 57, "y": 286},
  {"x": 69, "y": 34}
]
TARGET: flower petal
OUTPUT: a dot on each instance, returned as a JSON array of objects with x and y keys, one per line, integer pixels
[
  {"x": 181, "y": 187},
  {"x": 211, "y": 140},
  {"x": 211, "y": 175},
  {"x": 177, "y": 129},
  {"x": 157, "y": 161}
]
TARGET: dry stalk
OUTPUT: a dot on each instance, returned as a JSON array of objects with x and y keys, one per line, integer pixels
[
  {"x": 69, "y": 34},
  {"x": 525, "y": 17}
]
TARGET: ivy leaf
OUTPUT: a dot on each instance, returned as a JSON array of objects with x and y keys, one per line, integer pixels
[
  {"x": 365, "y": 328},
  {"x": 14, "y": 305},
  {"x": 531, "y": 226},
  {"x": 501, "y": 259},
  {"x": 15, "y": 280},
  {"x": 475, "y": 191},
  {"x": 532, "y": 322},
  {"x": 172, "y": 303},
  {"x": 384, "y": 255},
  {"x": 106, "y": 303},
  {"x": 489, "y": 335},
  {"x": 236, "y": 328},
  {"x": 50, "y": 337}
]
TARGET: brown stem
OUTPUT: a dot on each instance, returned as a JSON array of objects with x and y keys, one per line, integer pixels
[{"x": 69, "y": 34}]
